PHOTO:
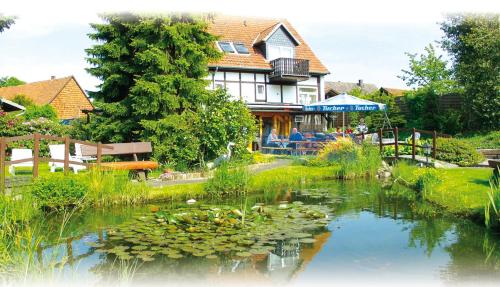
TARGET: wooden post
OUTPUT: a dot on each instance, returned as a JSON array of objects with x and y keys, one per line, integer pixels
[
  {"x": 99, "y": 153},
  {"x": 380, "y": 141},
  {"x": 2, "y": 165},
  {"x": 434, "y": 145},
  {"x": 66, "y": 155},
  {"x": 396, "y": 144},
  {"x": 413, "y": 144},
  {"x": 36, "y": 154}
]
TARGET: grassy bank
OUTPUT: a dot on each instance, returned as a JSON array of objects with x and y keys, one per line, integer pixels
[
  {"x": 460, "y": 191},
  {"x": 276, "y": 179}
]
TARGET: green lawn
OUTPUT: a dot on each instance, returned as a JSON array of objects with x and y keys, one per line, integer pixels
[
  {"x": 462, "y": 190},
  {"x": 459, "y": 190},
  {"x": 43, "y": 170}
]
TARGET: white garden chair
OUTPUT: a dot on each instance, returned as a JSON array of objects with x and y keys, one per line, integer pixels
[
  {"x": 18, "y": 154},
  {"x": 57, "y": 152},
  {"x": 79, "y": 155}
]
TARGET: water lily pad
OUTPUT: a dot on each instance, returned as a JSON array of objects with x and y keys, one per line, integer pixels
[
  {"x": 175, "y": 256},
  {"x": 307, "y": 240},
  {"x": 243, "y": 254}
]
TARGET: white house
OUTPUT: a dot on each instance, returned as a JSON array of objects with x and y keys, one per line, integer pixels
[{"x": 267, "y": 64}]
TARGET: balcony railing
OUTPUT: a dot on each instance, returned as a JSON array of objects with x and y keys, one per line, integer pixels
[{"x": 289, "y": 69}]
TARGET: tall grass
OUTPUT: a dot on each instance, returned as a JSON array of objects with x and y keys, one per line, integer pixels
[
  {"x": 228, "y": 180},
  {"x": 113, "y": 187},
  {"x": 492, "y": 208},
  {"x": 353, "y": 160}
]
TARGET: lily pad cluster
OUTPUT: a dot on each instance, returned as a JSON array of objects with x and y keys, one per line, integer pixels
[{"x": 212, "y": 232}]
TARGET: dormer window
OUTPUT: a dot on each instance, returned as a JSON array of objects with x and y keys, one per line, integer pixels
[
  {"x": 226, "y": 47},
  {"x": 241, "y": 48}
]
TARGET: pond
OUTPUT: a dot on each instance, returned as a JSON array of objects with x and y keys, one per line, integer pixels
[{"x": 359, "y": 233}]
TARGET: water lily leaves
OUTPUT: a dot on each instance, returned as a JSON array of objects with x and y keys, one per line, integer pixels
[
  {"x": 301, "y": 235},
  {"x": 307, "y": 240},
  {"x": 139, "y": 247},
  {"x": 243, "y": 254},
  {"x": 146, "y": 258},
  {"x": 95, "y": 244},
  {"x": 175, "y": 255},
  {"x": 211, "y": 232}
]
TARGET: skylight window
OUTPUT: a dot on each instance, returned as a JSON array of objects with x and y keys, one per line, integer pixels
[
  {"x": 241, "y": 48},
  {"x": 226, "y": 47}
]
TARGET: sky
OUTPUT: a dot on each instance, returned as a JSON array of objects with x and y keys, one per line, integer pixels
[{"x": 355, "y": 39}]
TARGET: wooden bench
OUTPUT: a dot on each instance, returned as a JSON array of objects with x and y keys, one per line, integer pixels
[
  {"x": 490, "y": 153},
  {"x": 138, "y": 168}
]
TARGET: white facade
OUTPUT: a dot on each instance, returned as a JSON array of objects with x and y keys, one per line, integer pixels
[{"x": 255, "y": 88}]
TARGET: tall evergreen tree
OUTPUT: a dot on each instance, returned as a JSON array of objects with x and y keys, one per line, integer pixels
[{"x": 152, "y": 69}]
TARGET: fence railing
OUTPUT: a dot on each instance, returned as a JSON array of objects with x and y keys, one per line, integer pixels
[
  {"x": 36, "y": 159},
  {"x": 396, "y": 143}
]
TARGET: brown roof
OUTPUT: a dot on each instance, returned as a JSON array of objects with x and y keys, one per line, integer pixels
[
  {"x": 41, "y": 93},
  {"x": 248, "y": 31},
  {"x": 393, "y": 92},
  {"x": 345, "y": 87}
]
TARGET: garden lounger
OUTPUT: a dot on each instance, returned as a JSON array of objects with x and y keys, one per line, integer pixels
[
  {"x": 79, "y": 155},
  {"x": 18, "y": 154},
  {"x": 57, "y": 152}
]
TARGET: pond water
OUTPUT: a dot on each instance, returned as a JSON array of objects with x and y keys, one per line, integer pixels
[{"x": 370, "y": 237}]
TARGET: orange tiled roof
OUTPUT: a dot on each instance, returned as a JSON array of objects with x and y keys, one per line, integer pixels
[
  {"x": 41, "y": 93},
  {"x": 248, "y": 31}
]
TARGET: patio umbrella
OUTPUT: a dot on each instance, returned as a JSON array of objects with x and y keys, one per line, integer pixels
[{"x": 344, "y": 103}]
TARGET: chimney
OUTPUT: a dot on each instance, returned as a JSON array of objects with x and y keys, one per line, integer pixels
[
  {"x": 360, "y": 82},
  {"x": 52, "y": 77}
]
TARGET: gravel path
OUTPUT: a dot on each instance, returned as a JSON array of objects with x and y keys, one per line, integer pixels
[{"x": 253, "y": 169}]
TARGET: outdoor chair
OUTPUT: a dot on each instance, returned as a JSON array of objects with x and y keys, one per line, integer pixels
[
  {"x": 18, "y": 154},
  {"x": 57, "y": 152},
  {"x": 79, "y": 155}
]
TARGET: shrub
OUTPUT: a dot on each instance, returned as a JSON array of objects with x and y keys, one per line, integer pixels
[
  {"x": 457, "y": 151},
  {"x": 353, "y": 160},
  {"x": 228, "y": 180},
  {"x": 58, "y": 192},
  {"x": 36, "y": 112}
]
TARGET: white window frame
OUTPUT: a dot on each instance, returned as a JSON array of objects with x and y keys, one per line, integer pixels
[
  {"x": 263, "y": 94},
  {"x": 312, "y": 96},
  {"x": 281, "y": 52}
]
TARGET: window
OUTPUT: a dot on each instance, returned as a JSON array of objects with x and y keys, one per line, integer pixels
[
  {"x": 275, "y": 52},
  {"x": 226, "y": 47},
  {"x": 260, "y": 93},
  {"x": 308, "y": 96},
  {"x": 241, "y": 48}
]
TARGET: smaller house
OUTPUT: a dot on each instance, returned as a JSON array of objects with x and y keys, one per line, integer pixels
[
  {"x": 336, "y": 88},
  {"x": 64, "y": 94}
]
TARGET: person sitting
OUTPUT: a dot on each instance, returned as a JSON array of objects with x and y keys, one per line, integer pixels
[
  {"x": 349, "y": 130},
  {"x": 295, "y": 136},
  {"x": 272, "y": 139}
]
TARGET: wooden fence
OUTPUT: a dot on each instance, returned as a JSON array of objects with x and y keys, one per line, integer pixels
[
  {"x": 396, "y": 143},
  {"x": 36, "y": 159}
]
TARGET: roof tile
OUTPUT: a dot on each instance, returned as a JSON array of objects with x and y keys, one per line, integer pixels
[{"x": 249, "y": 30}]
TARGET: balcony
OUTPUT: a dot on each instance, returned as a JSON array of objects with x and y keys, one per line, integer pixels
[{"x": 289, "y": 70}]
